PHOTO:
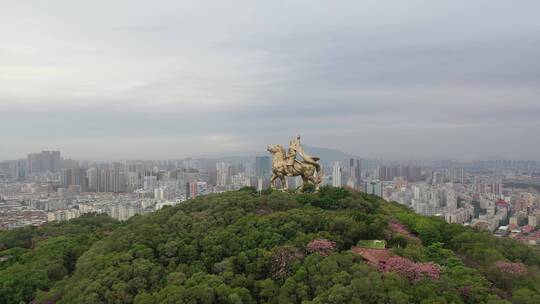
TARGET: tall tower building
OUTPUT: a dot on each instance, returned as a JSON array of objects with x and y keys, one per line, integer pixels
[
  {"x": 118, "y": 178},
  {"x": 45, "y": 158},
  {"x": 457, "y": 175},
  {"x": 56, "y": 161},
  {"x": 93, "y": 177},
  {"x": 104, "y": 180},
  {"x": 34, "y": 163},
  {"x": 76, "y": 176},
  {"x": 262, "y": 166},
  {"x": 337, "y": 175},
  {"x": 415, "y": 173},
  {"x": 385, "y": 173},
  {"x": 79, "y": 178},
  {"x": 188, "y": 190},
  {"x": 66, "y": 178},
  {"x": 193, "y": 189},
  {"x": 355, "y": 171},
  {"x": 224, "y": 172},
  {"x": 450, "y": 199}
]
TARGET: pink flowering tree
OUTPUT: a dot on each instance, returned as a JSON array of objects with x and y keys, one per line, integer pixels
[
  {"x": 410, "y": 270},
  {"x": 511, "y": 269},
  {"x": 321, "y": 246},
  {"x": 398, "y": 227},
  {"x": 503, "y": 274}
]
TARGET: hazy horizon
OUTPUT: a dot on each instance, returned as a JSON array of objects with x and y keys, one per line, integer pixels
[
  {"x": 247, "y": 154},
  {"x": 171, "y": 79}
]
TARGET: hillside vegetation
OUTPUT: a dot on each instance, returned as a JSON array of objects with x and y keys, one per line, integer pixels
[{"x": 244, "y": 247}]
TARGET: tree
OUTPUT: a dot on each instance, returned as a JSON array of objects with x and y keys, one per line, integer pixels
[{"x": 321, "y": 246}]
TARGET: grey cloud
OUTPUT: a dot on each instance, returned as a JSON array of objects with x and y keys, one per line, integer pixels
[{"x": 424, "y": 78}]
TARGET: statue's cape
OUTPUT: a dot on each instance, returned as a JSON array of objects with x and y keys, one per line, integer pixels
[{"x": 307, "y": 158}]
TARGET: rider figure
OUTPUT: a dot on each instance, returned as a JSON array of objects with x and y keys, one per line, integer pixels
[{"x": 291, "y": 155}]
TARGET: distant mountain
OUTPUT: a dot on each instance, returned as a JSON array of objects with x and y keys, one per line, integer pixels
[{"x": 328, "y": 156}]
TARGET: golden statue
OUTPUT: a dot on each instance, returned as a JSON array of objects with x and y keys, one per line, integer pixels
[{"x": 286, "y": 164}]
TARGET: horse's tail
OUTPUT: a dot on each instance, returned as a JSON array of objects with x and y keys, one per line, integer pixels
[
  {"x": 320, "y": 174},
  {"x": 318, "y": 169}
]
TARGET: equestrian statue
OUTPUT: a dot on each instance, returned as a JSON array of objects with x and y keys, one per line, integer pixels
[{"x": 285, "y": 163}]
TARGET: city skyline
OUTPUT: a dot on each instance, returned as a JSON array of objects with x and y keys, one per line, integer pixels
[
  {"x": 59, "y": 189},
  {"x": 250, "y": 154},
  {"x": 181, "y": 79}
]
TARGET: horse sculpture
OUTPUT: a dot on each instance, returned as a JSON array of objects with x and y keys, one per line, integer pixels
[{"x": 282, "y": 166}]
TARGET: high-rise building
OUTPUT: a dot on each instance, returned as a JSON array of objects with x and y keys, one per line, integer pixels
[
  {"x": 437, "y": 178},
  {"x": 34, "y": 163},
  {"x": 415, "y": 173},
  {"x": 104, "y": 180},
  {"x": 386, "y": 173},
  {"x": 193, "y": 189},
  {"x": 262, "y": 166},
  {"x": 410, "y": 173},
  {"x": 450, "y": 200},
  {"x": 337, "y": 175},
  {"x": 497, "y": 188},
  {"x": 55, "y": 161},
  {"x": 118, "y": 180},
  {"x": 45, "y": 161},
  {"x": 93, "y": 177},
  {"x": 374, "y": 187},
  {"x": 355, "y": 171},
  {"x": 133, "y": 181},
  {"x": 15, "y": 168},
  {"x": 66, "y": 178},
  {"x": 75, "y": 176},
  {"x": 457, "y": 175},
  {"x": 224, "y": 173},
  {"x": 188, "y": 190},
  {"x": 79, "y": 178}
]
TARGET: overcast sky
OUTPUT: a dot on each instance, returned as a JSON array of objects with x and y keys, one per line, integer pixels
[{"x": 107, "y": 79}]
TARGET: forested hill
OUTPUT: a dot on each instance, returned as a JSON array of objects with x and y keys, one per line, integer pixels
[{"x": 243, "y": 247}]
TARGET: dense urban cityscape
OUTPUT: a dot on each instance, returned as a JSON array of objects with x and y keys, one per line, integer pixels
[{"x": 498, "y": 196}]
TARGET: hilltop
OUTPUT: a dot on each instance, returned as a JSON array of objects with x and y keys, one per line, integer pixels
[{"x": 244, "y": 247}]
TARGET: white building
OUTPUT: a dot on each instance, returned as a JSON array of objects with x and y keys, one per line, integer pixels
[
  {"x": 460, "y": 215},
  {"x": 161, "y": 193},
  {"x": 337, "y": 175},
  {"x": 451, "y": 200}
]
